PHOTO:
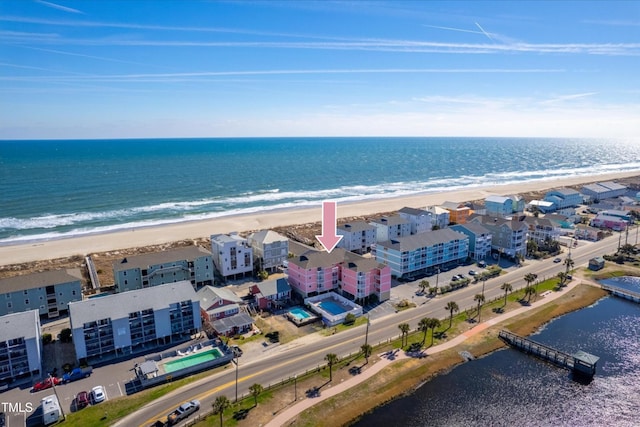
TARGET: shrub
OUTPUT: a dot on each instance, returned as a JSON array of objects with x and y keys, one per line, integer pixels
[
  {"x": 46, "y": 338},
  {"x": 65, "y": 335},
  {"x": 350, "y": 319}
]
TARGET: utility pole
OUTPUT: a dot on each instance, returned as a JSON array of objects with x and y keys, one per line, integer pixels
[
  {"x": 366, "y": 336},
  {"x": 53, "y": 383},
  {"x": 236, "y": 361}
]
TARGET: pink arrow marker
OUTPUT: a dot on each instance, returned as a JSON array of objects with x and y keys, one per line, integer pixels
[{"x": 329, "y": 239}]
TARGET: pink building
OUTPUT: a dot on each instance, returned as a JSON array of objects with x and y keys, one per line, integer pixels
[
  {"x": 610, "y": 222},
  {"x": 355, "y": 277}
]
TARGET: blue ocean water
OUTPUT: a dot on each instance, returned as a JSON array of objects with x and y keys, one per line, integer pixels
[{"x": 51, "y": 189}]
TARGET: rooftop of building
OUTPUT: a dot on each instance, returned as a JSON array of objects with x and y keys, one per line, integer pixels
[
  {"x": 118, "y": 306},
  {"x": 187, "y": 253},
  {"x": 25, "y": 325},
  {"x": 422, "y": 240},
  {"x": 39, "y": 280}
]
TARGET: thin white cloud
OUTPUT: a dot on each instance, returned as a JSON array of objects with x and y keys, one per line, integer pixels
[
  {"x": 153, "y": 77},
  {"x": 570, "y": 97},
  {"x": 60, "y": 7}
]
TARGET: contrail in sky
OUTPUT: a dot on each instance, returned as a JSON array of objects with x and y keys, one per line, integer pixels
[{"x": 484, "y": 32}]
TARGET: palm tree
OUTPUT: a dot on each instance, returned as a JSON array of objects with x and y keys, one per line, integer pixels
[
  {"x": 424, "y": 285},
  {"x": 433, "y": 324},
  {"x": 220, "y": 405},
  {"x": 532, "y": 247},
  {"x": 569, "y": 263},
  {"x": 404, "y": 328},
  {"x": 506, "y": 287},
  {"x": 529, "y": 291},
  {"x": 331, "y": 359},
  {"x": 423, "y": 326},
  {"x": 530, "y": 278},
  {"x": 562, "y": 276},
  {"x": 451, "y": 306},
  {"x": 366, "y": 351},
  {"x": 480, "y": 299},
  {"x": 255, "y": 390}
]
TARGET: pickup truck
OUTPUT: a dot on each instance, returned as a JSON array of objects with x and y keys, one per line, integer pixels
[
  {"x": 183, "y": 411},
  {"x": 77, "y": 374}
]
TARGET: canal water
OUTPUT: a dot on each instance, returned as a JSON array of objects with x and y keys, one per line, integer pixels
[{"x": 509, "y": 388}]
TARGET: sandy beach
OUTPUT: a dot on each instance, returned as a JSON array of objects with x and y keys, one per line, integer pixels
[{"x": 140, "y": 237}]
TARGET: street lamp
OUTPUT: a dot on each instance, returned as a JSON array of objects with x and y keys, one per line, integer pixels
[
  {"x": 295, "y": 387},
  {"x": 366, "y": 335},
  {"x": 437, "y": 277},
  {"x": 53, "y": 383}
]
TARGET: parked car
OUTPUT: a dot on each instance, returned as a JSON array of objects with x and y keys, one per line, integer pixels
[
  {"x": 82, "y": 400},
  {"x": 472, "y": 272},
  {"x": 97, "y": 394},
  {"x": 46, "y": 383},
  {"x": 77, "y": 374},
  {"x": 482, "y": 264},
  {"x": 557, "y": 260}
]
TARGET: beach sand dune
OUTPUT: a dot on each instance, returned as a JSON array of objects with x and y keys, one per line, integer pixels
[{"x": 141, "y": 237}]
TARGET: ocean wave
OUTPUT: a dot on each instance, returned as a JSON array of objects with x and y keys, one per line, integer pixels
[{"x": 14, "y": 230}]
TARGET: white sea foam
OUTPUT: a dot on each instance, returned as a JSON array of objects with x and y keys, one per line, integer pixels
[{"x": 82, "y": 223}]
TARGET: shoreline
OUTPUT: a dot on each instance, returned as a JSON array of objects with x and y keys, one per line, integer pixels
[{"x": 35, "y": 250}]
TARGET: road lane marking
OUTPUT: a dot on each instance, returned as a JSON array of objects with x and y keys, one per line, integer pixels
[{"x": 231, "y": 383}]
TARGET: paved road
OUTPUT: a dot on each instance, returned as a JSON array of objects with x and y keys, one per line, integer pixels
[{"x": 304, "y": 354}]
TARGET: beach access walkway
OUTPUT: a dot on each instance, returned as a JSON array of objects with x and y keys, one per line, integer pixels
[{"x": 286, "y": 415}]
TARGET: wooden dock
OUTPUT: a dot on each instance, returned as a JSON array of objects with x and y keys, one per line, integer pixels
[
  {"x": 581, "y": 362},
  {"x": 622, "y": 293}
]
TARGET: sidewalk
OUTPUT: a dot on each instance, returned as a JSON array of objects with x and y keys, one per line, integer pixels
[{"x": 283, "y": 417}]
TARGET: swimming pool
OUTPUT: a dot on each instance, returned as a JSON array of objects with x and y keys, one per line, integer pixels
[
  {"x": 332, "y": 307},
  {"x": 192, "y": 360},
  {"x": 300, "y": 313}
]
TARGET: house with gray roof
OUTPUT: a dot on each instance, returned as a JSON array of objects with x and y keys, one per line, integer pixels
[
  {"x": 20, "y": 345},
  {"x": 271, "y": 293},
  {"x": 509, "y": 236},
  {"x": 191, "y": 263},
  {"x": 49, "y": 292},
  {"x": 423, "y": 252},
  {"x": 357, "y": 236},
  {"x": 270, "y": 249},
  {"x": 421, "y": 220},
  {"x": 563, "y": 198},
  {"x": 130, "y": 322},
  {"x": 391, "y": 227},
  {"x": 217, "y": 304},
  {"x": 479, "y": 239},
  {"x": 604, "y": 190}
]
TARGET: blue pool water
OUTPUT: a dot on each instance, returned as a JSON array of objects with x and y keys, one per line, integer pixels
[
  {"x": 300, "y": 313},
  {"x": 332, "y": 307}
]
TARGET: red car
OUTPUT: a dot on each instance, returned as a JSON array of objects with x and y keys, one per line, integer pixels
[
  {"x": 46, "y": 383},
  {"x": 82, "y": 400}
]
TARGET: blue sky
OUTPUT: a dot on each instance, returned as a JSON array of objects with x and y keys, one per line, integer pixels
[{"x": 131, "y": 69}]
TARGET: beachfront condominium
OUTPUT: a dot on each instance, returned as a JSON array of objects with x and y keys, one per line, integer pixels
[
  {"x": 479, "y": 239},
  {"x": 458, "y": 212},
  {"x": 49, "y": 292},
  {"x": 440, "y": 217},
  {"x": 564, "y": 200},
  {"x": 232, "y": 255},
  {"x": 420, "y": 219},
  {"x": 357, "y": 236},
  {"x": 20, "y": 345},
  {"x": 191, "y": 263},
  {"x": 139, "y": 320},
  {"x": 509, "y": 236},
  {"x": 503, "y": 206},
  {"x": 604, "y": 190},
  {"x": 355, "y": 277},
  {"x": 270, "y": 249},
  {"x": 423, "y": 252},
  {"x": 391, "y": 227}
]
